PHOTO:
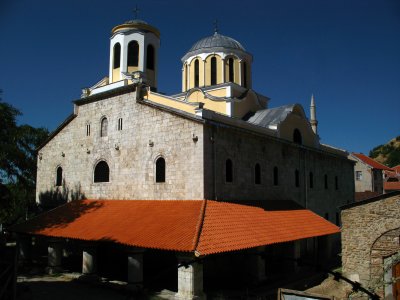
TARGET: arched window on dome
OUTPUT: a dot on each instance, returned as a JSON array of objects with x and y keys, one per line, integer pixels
[
  {"x": 59, "y": 176},
  {"x": 231, "y": 74},
  {"x": 244, "y": 70},
  {"x": 133, "y": 54},
  {"x": 297, "y": 139},
  {"x": 103, "y": 127},
  {"x": 150, "y": 57},
  {"x": 101, "y": 172},
  {"x": 196, "y": 73},
  {"x": 116, "y": 56},
  {"x": 213, "y": 70}
]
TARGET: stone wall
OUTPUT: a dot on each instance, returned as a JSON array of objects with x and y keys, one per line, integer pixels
[
  {"x": 370, "y": 234},
  {"x": 246, "y": 149},
  {"x": 128, "y": 152}
]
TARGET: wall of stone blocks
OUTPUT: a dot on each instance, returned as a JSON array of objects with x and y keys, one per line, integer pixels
[
  {"x": 245, "y": 149},
  {"x": 132, "y": 165},
  {"x": 370, "y": 233}
]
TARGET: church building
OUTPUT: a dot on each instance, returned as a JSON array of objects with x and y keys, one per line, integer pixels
[{"x": 213, "y": 176}]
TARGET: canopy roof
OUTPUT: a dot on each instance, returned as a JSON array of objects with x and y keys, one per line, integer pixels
[{"x": 200, "y": 226}]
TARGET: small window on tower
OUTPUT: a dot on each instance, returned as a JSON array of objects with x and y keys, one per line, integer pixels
[
  {"x": 231, "y": 70},
  {"x": 213, "y": 71},
  {"x": 133, "y": 54},
  {"x": 120, "y": 124},
  {"x": 160, "y": 170},
  {"x": 103, "y": 127},
  {"x": 59, "y": 176},
  {"x": 244, "y": 66},
  {"x": 297, "y": 139},
  {"x": 150, "y": 57},
  {"x": 87, "y": 129},
  {"x": 117, "y": 56},
  {"x": 196, "y": 73}
]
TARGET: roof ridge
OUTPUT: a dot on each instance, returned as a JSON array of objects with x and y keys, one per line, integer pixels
[{"x": 199, "y": 227}]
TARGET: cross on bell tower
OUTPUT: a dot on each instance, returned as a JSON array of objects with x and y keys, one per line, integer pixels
[
  {"x": 136, "y": 11},
  {"x": 215, "y": 26}
]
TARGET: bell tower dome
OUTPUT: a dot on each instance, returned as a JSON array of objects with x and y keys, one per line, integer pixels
[{"x": 134, "y": 48}]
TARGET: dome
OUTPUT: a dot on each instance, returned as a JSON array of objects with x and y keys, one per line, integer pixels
[{"x": 215, "y": 42}]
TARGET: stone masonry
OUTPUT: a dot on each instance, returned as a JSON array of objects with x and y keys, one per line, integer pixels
[{"x": 370, "y": 235}]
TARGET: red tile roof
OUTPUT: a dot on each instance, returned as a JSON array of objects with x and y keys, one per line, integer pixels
[
  {"x": 369, "y": 161},
  {"x": 200, "y": 226},
  {"x": 391, "y": 185}
]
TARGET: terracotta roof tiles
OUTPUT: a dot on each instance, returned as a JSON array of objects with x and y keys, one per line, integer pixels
[
  {"x": 371, "y": 162},
  {"x": 200, "y": 226}
]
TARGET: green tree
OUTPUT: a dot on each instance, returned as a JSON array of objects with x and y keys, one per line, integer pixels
[{"x": 18, "y": 145}]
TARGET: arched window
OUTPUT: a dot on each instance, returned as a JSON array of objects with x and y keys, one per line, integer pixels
[
  {"x": 257, "y": 174},
  {"x": 326, "y": 181},
  {"x": 150, "y": 57},
  {"x": 117, "y": 56},
  {"x": 231, "y": 75},
  {"x": 196, "y": 73},
  {"x": 297, "y": 139},
  {"x": 244, "y": 69},
  {"x": 213, "y": 70},
  {"x": 103, "y": 127},
  {"x": 297, "y": 178},
  {"x": 311, "y": 180},
  {"x": 160, "y": 169},
  {"x": 228, "y": 171},
  {"x": 59, "y": 176},
  {"x": 133, "y": 54},
  {"x": 276, "y": 180},
  {"x": 101, "y": 172}
]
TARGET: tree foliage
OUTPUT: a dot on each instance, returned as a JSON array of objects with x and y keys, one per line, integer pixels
[
  {"x": 18, "y": 145},
  {"x": 388, "y": 154}
]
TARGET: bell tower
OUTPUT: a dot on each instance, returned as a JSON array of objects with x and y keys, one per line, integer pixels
[{"x": 134, "y": 48}]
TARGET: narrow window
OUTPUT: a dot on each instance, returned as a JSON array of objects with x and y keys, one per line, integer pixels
[
  {"x": 104, "y": 126},
  {"x": 276, "y": 181},
  {"x": 102, "y": 172},
  {"x": 213, "y": 71},
  {"x": 133, "y": 54},
  {"x": 231, "y": 77},
  {"x": 150, "y": 57},
  {"x": 311, "y": 180},
  {"x": 244, "y": 67},
  {"x": 326, "y": 181},
  {"x": 337, "y": 219},
  {"x": 87, "y": 129},
  {"x": 160, "y": 170},
  {"x": 117, "y": 55},
  {"x": 358, "y": 175},
  {"x": 257, "y": 174},
  {"x": 297, "y": 139},
  {"x": 59, "y": 176},
  {"x": 196, "y": 73},
  {"x": 228, "y": 171},
  {"x": 296, "y": 178},
  {"x": 336, "y": 183},
  {"x": 327, "y": 216},
  {"x": 120, "y": 124}
]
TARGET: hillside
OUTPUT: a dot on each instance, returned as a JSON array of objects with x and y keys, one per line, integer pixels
[{"x": 388, "y": 154}]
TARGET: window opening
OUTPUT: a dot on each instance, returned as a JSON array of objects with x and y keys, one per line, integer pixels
[
  {"x": 104, "y": 127},
  {"x": 133, "y": 54},
  {"x": 276, "y": 182},
  {"x": 297, "y": 178},
  {"x": 160, "y": 170},
  {"x": 120, "y": 124},
  {"x": 117, "y": 55},
  {"x": 228, "y": 171},
  {"x": 101, "y": 172},
  {"x": 87, "y": 129},
  {"x": 59, "y": 176},
  {"x": 213, "y": 71},
  {"x": 311, "y": 180},
  {"x": 297, "y": 139},
  {"x": 257, "y": 174},
  {"x": 244, "y": 66},
  {"x": 358, "y": 175},
  {"x": 326, "y": 181},
  {"x": 150, "y": 57},
  {"x": 231, "y": 70},
  {"x": 196, "y": 73}
]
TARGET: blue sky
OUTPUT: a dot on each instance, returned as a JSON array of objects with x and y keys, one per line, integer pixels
[{"x": 345, "y": 52}]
